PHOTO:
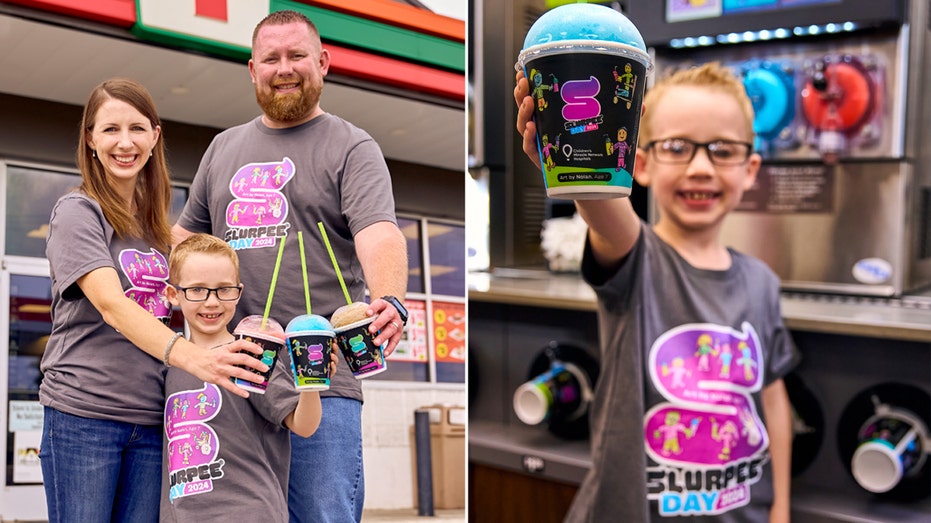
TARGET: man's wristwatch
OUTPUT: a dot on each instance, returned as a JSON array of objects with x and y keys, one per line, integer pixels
[{"x": 397, "y": 305}]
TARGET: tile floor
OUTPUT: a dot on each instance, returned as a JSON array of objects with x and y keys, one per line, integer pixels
[{"x": 410, "y": 516}]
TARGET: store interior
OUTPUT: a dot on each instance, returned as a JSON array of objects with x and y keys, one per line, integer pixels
[{"x": 840, "y": 212}]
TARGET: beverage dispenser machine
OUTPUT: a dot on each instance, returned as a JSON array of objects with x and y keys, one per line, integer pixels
[{"x": 841, "y": 203}]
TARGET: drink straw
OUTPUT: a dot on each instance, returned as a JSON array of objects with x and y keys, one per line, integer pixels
[
  {"x": 300, "y": 243},
  {"x": 335, "y": 264},
  {"x": 271, "y": 289}
]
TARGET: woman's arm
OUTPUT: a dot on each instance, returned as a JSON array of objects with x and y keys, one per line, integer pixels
[{"x": 102, "y": 287}]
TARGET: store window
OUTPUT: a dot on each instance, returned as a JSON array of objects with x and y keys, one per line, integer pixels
[
  {"x": 31, "y": 194},
  {"x": 433, "y": 347},
  {"x": 447, "y": 258},
  {"x": 411, "y": 230}
]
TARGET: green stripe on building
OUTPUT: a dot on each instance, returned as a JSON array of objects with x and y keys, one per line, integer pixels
[
  {"x": 183, "y": 41},
  {"x": 380, "y": 38}
]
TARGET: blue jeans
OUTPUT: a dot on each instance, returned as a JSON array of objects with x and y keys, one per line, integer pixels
[
  {"x": 96, "y": 471},
  {"x": 327, "y": 483}
]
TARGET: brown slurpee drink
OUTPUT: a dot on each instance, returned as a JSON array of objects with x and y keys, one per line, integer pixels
[{"x": 357, "y": 344}]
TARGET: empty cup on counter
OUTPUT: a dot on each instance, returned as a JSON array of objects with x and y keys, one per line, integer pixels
[
  {"x": 561, "y": 393},
  {"x": 891, "y": 447}
]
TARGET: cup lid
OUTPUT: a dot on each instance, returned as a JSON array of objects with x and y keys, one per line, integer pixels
[{"x": 584, "y": 22}]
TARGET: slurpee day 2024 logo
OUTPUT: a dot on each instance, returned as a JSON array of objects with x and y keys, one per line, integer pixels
[
  {"x": 707, "y": 438},
  {"x": 193, "y": 445},
  {"x": 148, "y": 274},
  {"x": 256, "y": 215}
]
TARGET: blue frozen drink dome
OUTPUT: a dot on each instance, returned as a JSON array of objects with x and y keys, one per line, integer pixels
[
  {"x": 309, "y": 322},
  {"x": 584, "y": 22}
]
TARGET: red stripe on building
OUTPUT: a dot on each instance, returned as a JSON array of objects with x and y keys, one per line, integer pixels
[
  {"x": 120, "y": 13},
  {"x": 383, "y": 70}
]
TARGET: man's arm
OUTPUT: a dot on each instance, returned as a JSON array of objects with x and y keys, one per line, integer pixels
[
  {"x": 179, "y": 234},
  {"x": 382, "y": 251}
]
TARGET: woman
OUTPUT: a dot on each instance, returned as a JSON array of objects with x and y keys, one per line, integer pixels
[{"x": 104, "y": 365}]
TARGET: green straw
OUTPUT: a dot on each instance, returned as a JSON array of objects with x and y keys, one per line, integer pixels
[
  {"x": 300, "y": 243},
  {"x": 335, "y": 264},
  {"x": 271, "y": 289}
]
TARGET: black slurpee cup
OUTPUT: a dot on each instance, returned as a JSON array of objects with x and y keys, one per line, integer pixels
[{"x": 587, "y": 68}]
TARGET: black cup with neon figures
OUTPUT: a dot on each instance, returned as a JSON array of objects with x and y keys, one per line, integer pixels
[
  {"x": 351, "y": 325},
  {"x": 587, "y": 68}
]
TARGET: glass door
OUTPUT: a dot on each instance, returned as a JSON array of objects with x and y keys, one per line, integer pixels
[{"x": 25, "y": 298}]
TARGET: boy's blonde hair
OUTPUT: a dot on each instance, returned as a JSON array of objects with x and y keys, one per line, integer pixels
[
  {"x": 712, "y": 76},
  {"x": 199, "y": 243}
]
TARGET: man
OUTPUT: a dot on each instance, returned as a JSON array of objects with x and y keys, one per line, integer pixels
[{"x": 262, "y": 182}]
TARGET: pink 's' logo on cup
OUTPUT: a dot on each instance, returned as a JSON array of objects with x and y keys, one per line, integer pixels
[{"x": 579, "y": 97}]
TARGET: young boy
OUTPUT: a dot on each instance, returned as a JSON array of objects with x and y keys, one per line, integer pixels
[
  {"x": 675, "y": 305},
  {"x": 226, "y": 456}
]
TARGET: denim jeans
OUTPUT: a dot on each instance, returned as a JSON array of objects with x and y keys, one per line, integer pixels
[
  {"x": 326, "y": 483},
  {"x": 96, "y": 471}
]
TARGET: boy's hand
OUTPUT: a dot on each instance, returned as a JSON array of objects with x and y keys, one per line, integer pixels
[{"x": 525, "y": 125}]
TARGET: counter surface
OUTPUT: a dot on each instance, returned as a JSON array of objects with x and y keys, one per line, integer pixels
[
  {"x": 905, "y": 318},
  {"x": 535, "y": 451}
]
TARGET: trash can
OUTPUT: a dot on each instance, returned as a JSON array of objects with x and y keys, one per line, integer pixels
[{"x": 447, "y": 455}]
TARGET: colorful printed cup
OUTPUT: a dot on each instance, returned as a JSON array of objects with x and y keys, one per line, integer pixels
[
  {"x": 358, "y": 347},
  {"x": 890, "y": 448},
  {"x": 587, "y": 68},
  {"x": 271, "y": 345},
  {"x": 310, "y": 358}
]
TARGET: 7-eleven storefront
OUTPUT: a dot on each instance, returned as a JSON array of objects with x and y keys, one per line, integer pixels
[{"x": 397, "y": 71}]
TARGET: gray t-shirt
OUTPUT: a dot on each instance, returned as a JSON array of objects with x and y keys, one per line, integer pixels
[
  {"x": 257, "y": 185},
  {"x": 90, "y": 369},
  {"x": 227, "y": 458},
  {"x": 686, "y": 352}
]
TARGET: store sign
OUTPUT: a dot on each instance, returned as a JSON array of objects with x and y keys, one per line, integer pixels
[
  {"x": 25, "y": 416},
  {"x": 449, "y": 331},
  {"x": 223, "y": 26}
]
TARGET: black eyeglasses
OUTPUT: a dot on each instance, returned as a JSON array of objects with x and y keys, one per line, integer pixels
[
  {"x": 682, "y": 150},
  {"x": 230, "y": 293}
]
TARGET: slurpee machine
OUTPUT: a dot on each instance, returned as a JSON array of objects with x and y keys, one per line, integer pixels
[
  {"x": 842, "y": 203},
  {"x": 841, "y": 211}
]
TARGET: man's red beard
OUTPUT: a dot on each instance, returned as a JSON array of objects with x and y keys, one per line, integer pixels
[{"x": 288, "y": 107}]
